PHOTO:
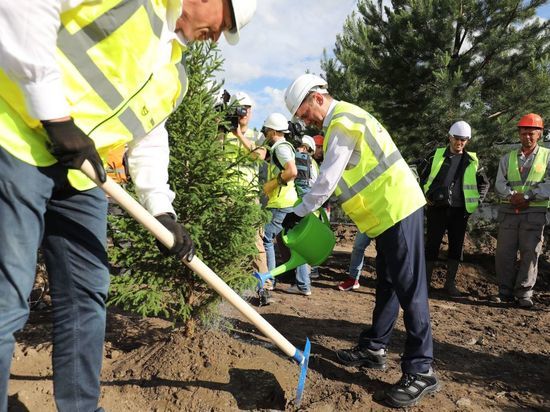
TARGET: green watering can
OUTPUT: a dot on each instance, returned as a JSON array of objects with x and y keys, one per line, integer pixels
[{"x": 311, "y": 241}]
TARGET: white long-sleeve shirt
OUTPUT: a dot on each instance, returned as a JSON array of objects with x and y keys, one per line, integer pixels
[
  {"x": 341, "y": 152},
  {"x": 28, "y": 36}
]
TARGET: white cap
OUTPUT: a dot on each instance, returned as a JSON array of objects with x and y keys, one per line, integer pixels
[
  {"x": 242, "y": 99},
  {"x": 299, "y": 89},
  {"x": 277, "y": 121},
  {"x": 461, "y": 129},
  {"x": 242, "y": 11},
  {"x": 308, "y": 141}
]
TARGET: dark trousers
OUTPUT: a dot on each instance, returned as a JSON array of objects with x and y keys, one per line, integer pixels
[
  {"x": 37, "y": 205},
  {"x": 401, "y": 275},
  {"x": 452, "y": 220}
]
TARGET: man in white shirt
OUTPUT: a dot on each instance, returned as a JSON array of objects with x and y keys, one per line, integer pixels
[
  {"x": 364, "y": 169},
  {"x": 78, "y": 78}
]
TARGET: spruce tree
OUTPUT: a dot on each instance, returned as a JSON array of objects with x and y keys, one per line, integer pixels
[
  {"x": 421, "y": 65},
  {"x": 217, "y": 212}
]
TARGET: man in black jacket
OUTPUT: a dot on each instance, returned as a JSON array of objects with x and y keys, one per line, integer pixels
[{"x": 454, "y": 186}]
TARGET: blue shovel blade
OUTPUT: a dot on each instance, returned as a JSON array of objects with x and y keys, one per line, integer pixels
[{"x": 303, "y": 360}]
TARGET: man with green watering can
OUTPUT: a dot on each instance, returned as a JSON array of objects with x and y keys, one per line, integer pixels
[{"x": 377, "y": 190}]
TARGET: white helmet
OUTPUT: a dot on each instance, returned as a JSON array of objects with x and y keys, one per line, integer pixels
[
  {"x": 242, "y": 12},
  {"x": 277, "y": 121},
  {"x": 298, "y": 90},
  {"x": 308, "y": 141},
  {"x": 461, "y": 129},
  {"x": 242, "y": 99}
]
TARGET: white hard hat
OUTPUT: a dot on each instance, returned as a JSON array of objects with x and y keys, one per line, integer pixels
[
  {"x": 461, "y": 129},
  {"x": 276, "y": 121},
  {"x": 298, "y": 90},
  {"x": 242, "y": 12},
  {"x": 242, "y": 99},
  {"x": 308, "y": 141}
]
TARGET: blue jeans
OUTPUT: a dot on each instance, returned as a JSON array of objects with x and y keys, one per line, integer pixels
[
  {"x": 271, "y": 230},
  {"x": 37, "y": 206},
  {"x": 362, "y": 241},
  {"x": 401, "y": 277}
]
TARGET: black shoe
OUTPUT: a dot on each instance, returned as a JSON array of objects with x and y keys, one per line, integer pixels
[
  {"x": 525, "y": 303},
  {"x": 363, "y": 357},
  {"x": 411, "y": 388},
  {"x": 264, "y": 297}
]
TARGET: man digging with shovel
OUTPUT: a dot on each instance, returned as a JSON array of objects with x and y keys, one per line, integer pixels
[{"x": 77, "y": 79}]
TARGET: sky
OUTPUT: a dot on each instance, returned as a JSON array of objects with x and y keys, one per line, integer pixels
[{"x": 284, "y": 39}]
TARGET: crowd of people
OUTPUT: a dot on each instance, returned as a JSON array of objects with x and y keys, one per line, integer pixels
[
  {"x": 62, "y": 105},
  {"x": 364, "y": 172}
]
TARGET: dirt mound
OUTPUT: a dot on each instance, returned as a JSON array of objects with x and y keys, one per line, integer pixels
[{"x": 488, "y": 356}]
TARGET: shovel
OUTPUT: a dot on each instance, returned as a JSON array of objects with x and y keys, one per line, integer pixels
[{"x": 156, "y": 228}]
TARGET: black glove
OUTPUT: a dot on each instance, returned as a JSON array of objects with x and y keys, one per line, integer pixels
[
  {"x": 183, "y": 245},
  {"x": 291, "y": 220},
  {"x": 71, "y": 146}
]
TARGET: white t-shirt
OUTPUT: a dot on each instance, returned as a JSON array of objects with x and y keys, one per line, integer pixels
[{"x": 284, "y": 152}]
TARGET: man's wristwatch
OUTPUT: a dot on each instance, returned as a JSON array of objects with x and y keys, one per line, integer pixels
[{"x": 280, "y": 180}]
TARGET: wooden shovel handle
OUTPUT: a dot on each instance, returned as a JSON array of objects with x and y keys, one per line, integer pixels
[{"x": 158, "y": 230}]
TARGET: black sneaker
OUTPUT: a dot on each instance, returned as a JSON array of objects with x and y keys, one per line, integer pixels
[
  {"x": 374, "y": 359},
  {"x": 525, "y": 303},
  {"x": 411, "y": 388}
]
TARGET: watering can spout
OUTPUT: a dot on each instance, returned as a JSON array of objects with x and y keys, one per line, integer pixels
[
  {"x": 262, "y": 278},
  {"x": 295, "y": 260}
]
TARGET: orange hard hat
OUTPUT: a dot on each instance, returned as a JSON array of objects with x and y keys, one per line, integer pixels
[
  {"x": 318, "y": 139},
  {"x": 531, "y": 120}
]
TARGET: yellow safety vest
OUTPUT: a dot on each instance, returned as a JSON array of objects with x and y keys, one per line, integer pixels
[
  {"x": 108, "y": 52},
  {"x": 469, "y": 181},
  {"x": 536, "y": 174},
  {"x": 245, "y": 167},
  {"x": 380, "y": 190},
  {"x": 282, "y": 196}
]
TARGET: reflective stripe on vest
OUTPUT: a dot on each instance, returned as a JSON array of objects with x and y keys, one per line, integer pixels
[
  {"x": 469, "y": 181},
  {"x": 380, "y": 190},
  {"x": 282, "y": 196},
  {"x": 536, "y": 174},
  {"x": 108, "y": 53}
]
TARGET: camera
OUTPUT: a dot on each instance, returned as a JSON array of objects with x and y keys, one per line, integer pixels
[
  {"x": 233, "y": 117},
  {"x": 295, "y": 133}
]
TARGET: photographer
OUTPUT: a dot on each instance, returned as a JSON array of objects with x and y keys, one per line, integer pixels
[
  {"x": 242, "y": 147},
  {"x": 454, "y": 186}
]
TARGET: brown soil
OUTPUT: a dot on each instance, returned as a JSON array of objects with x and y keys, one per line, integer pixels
[{"x": 488, "y": 356}]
